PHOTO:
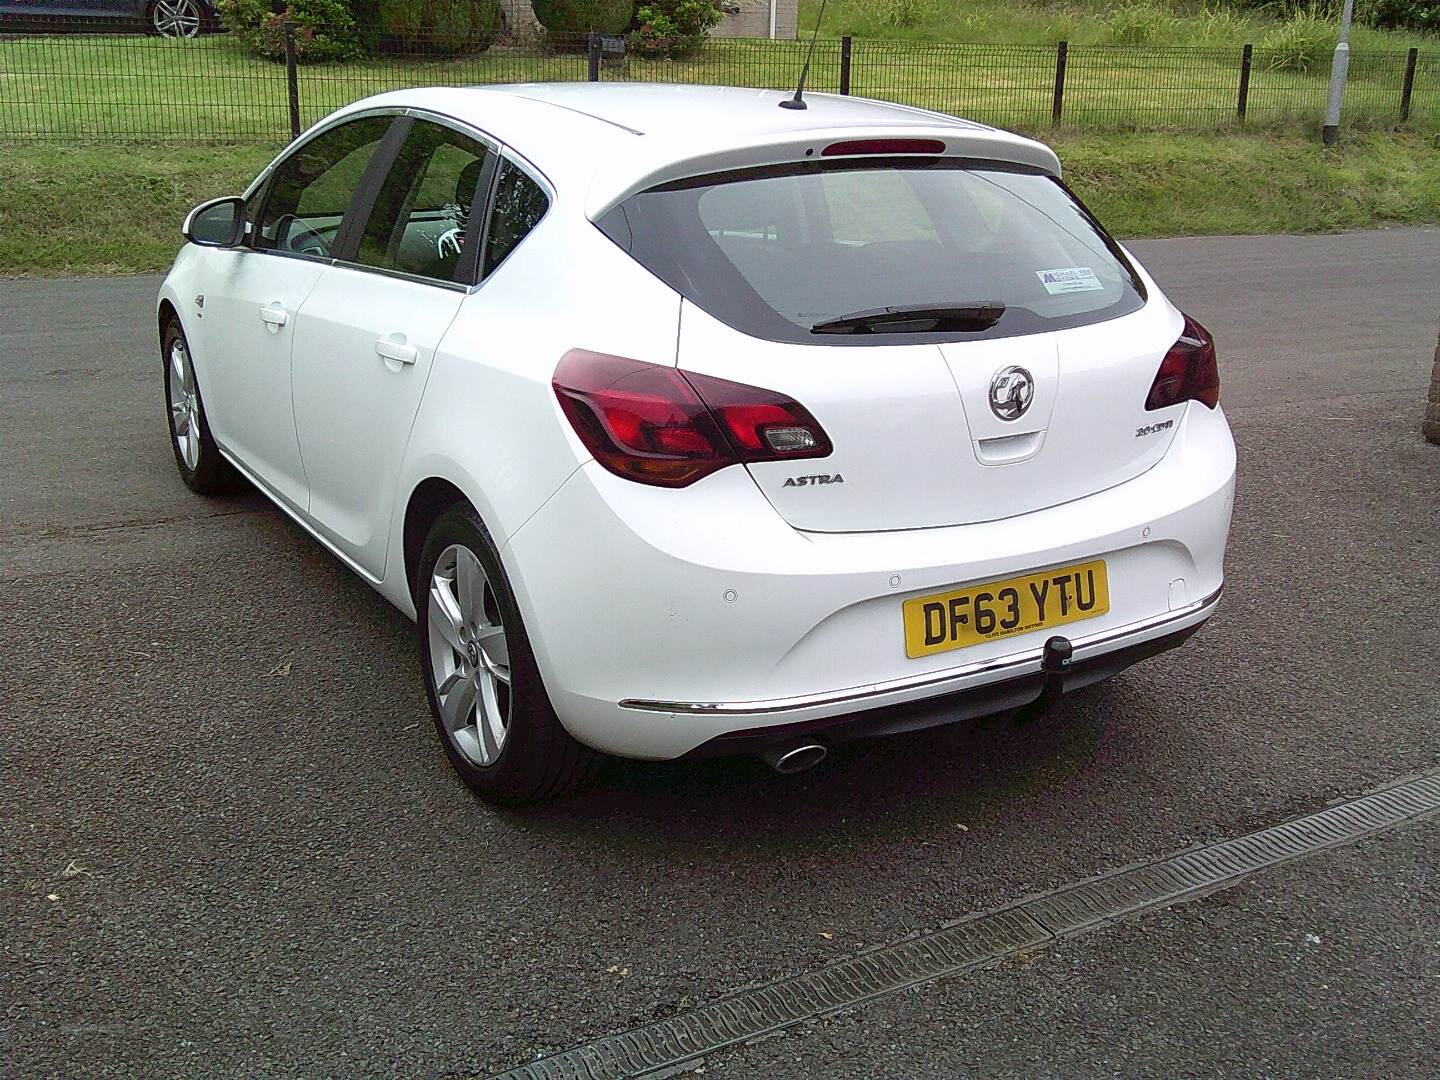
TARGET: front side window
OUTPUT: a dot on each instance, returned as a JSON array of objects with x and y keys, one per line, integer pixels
[
  {"x": 311, "y": 189},
  {"x": 422, "y": 213},
  {"x": 845, "y": 252},
  {"x": 519, "y": 205}
]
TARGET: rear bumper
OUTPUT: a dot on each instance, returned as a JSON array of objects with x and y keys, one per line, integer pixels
[
  {"x": 1019, "y": 681},
  {"x": 663, "y": 620}
]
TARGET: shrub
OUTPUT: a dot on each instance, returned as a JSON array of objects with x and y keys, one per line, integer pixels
[
  {"x": 567, "y": 17},
  {"x": 1421, "y": 15},
  {"x": 324, "y": 30},
  {"x": 673, "y": 28},
  {"x": 1301, "y": 44},
  {"x": 437, "y": 27},
  {"x": 1139, "y": 24}
]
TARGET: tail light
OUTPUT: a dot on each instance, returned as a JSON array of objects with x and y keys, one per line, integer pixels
[
  {"x": 659, "y": 425},
  {"x": 1188, "y": 372}
]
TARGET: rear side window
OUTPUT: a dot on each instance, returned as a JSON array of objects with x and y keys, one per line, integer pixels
[
  {"x": 519, "y": 205},
  {"x": 778, "y": 252},
  {"x": 422, "y": 213}
]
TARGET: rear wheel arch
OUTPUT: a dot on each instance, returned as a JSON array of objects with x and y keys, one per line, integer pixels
[{"x": 430, "y": 498}]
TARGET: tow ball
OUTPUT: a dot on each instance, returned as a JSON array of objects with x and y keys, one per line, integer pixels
[{"x": 1054, "y": 663}]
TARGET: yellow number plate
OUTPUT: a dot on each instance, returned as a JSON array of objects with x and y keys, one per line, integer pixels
[{"x": 953, "y": 620}]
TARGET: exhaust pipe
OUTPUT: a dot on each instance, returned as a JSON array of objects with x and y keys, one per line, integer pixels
[{"x": 794, "y": 757}]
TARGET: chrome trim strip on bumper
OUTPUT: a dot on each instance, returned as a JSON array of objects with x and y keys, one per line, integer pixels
[{"x": 859, "y": 694}]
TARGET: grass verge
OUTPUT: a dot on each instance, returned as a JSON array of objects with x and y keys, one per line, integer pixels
[
  {"x": 113, "y": 209},
  {"x": 1189, "y": 185}
]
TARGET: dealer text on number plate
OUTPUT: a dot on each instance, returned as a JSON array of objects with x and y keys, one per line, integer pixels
[{"x": 997, "y": 609}]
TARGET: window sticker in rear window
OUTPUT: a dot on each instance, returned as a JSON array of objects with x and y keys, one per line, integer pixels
[{"x": 1069, "y": 279}]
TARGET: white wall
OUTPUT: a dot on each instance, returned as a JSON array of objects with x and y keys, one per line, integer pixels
[{"x": 753, "y": 19}]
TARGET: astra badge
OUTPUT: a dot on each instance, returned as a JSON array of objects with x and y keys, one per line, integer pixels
[
  {"x": 807, "y": 481},
  {"x": 1011, "y": 391}
]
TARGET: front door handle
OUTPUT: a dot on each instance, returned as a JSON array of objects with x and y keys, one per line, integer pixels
[
  {"x": 274, "y": 316},
  {"x": 396, "y": 353}
]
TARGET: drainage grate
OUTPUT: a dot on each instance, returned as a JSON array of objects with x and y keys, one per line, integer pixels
[{"x": 981, "y": 938}]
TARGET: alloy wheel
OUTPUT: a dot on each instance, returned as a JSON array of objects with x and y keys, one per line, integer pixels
[
  {"x": 176, "y": 18},
  {"x": 469, "y": 656},
  {"x": 184, "y": 404}
]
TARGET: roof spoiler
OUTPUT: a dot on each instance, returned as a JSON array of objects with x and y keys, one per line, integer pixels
[{"x": 647, "y": 168}]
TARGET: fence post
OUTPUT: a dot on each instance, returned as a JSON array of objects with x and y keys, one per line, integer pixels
[
  {"x": 593, "y": 54},
  {"x": 1243, "y": 99},
  {"x": 1409, "y": 87},
  {"x": 846, "y": 43},
  {"x": 292, "y": 78},
  {"x": 1059, "y": 103}
]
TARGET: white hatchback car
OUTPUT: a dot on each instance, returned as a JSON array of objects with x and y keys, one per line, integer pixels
[{"x": 688, "y": 425}]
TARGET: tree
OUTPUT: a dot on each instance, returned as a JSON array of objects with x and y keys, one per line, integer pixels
[{"x": 520, "y": 20}]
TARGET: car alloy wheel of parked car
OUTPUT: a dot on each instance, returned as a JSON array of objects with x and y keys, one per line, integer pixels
[
  {"x": 490, "y": 709},
  {"x": 176, "y": 18},
  {"x": 201, "y": 465},
  {"x": 849, "y": 421}
]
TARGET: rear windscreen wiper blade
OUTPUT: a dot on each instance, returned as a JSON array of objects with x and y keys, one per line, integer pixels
[{"x": 920, "y": 319}]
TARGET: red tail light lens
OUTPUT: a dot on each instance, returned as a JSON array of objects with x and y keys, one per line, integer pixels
[
  {"x": 1188, "y": 372},
  {"x": 658, "y": 425},
  {"x": 761, "y": 424}
]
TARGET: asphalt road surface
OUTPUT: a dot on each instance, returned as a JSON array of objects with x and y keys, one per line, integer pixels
[{"x": 230, "y": 844}]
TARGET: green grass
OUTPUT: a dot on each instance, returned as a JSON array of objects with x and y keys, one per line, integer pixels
[
  {"x": 1188, "y": 185},
  {"x": 147, "y": 88},
  {"x": 1081, "y": 22},
  {"x": 107, "y": 209}
]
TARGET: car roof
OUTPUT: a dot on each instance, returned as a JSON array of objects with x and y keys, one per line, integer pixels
[
  {"x": 607, "y": 140},
  {"x": 737, "y": 112}
]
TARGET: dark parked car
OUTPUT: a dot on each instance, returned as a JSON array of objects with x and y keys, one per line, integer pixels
[{"x": 169, "y": 18}]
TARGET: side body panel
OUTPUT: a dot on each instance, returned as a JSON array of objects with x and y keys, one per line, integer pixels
[
  {"x": 364, "y": 346},
  {"x": 244, "y": 360},
  {"x": 489, "y": 422}
]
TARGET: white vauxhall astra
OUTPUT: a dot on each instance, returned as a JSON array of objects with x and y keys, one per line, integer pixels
[{"x": 684, "y": 424}]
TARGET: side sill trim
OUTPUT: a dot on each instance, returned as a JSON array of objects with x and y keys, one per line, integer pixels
[
  {"x": 937, "y": 681},
  {"x": 295, "y": 516}
]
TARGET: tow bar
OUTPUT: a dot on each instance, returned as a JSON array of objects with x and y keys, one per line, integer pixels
[{"x": 1054, "y": 662}]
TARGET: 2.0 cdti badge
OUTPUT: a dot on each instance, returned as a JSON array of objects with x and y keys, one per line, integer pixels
[{"x": 684, "y": 424}]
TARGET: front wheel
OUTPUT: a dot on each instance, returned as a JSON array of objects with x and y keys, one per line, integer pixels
[
  {"x": 486, "y": 697},
  {"x": 201, "y": 466},
  {"x": 176, "y": 18}
]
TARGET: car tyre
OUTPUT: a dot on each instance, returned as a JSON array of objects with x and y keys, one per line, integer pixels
[
  {"x": 201, "y": 466},
  {"x": 487, "y": 700}
]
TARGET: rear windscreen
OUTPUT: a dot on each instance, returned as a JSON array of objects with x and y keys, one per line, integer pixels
[{"x": 779, "y": 251}]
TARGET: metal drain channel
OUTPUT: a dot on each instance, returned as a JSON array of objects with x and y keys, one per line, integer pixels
[{"x": 981, "y": 938}]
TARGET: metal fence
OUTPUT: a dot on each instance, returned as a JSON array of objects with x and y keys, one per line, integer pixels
[{"x": 127, "y": 86}]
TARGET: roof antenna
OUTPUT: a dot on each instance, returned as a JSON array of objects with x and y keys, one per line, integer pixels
[{"x": 798, "y": 101}]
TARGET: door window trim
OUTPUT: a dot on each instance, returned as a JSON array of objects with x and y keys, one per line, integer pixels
[
  {"x": 475, "y": 228},
  {"x": 539, "y": 179},
  {"x": 384, "y": 153},
  {"x": 375, "y": 174}
]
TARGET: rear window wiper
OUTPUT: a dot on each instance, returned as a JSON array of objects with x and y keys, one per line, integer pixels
[{"x": 920, "y": 319}]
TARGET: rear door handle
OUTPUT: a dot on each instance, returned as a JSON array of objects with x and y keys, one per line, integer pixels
[
  {"x": 274, "y": 316},
  {"x": 395, "y": 352}
]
